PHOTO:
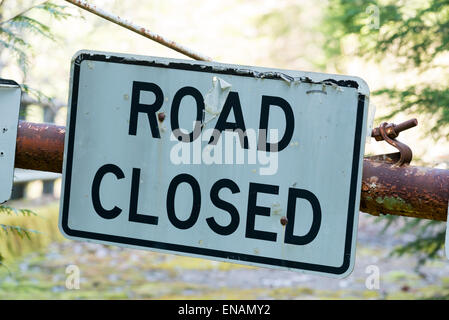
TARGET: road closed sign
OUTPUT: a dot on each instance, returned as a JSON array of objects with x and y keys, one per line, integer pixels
[{"x": 232, "y": 163}]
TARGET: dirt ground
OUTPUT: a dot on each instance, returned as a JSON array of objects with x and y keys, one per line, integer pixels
[{"x": 108, "y": 272}]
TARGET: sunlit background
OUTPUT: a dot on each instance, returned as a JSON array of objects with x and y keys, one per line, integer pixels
[{"x": 280, "y": 34}]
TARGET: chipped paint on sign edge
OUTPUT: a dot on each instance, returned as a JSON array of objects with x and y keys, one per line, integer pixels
[{"x": 291, "y": 77}]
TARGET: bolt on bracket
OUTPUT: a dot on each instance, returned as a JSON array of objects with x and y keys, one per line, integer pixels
[{"x": 389, "y": 132}]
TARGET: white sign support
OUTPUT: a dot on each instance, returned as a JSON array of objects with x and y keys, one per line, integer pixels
[{"x": 10, "y": 94}]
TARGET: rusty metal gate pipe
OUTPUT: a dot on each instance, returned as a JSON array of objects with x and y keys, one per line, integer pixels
[
  {"x": 411, "y": 191},
  {"x": 39, "y": 146}
]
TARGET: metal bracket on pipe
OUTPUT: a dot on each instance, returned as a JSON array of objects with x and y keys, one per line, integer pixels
[{"x": 389, "y": 132}]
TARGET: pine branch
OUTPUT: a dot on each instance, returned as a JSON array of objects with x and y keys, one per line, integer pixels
[
  {"x": 10, "y": 211},
  {"x": 21, "y": 14},
  {"x": 20, "y": 231},
  {"x": 11, "y": 30}
]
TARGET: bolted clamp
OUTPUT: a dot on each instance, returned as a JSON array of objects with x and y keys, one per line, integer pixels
[{"x": 389, "y": 132}]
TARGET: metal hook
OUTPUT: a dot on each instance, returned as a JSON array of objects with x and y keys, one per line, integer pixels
[
  {"x": 389, "y": 132},
  {"x": 406, "y": 154}
]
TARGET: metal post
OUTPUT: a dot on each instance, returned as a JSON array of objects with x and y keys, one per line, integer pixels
[
  {"x": 386, "y": 189},
  {"x": 19, "y": 189}
]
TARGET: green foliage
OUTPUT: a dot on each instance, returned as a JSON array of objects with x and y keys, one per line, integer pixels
[
  {"x": 7, "y": 210},
  {"x": 418, "y": 99},
  {"x": 21, "y": 232},
  {"x": 13, "y": 31},
  {"x": 13, "y": 38},
  {"x": 13, "y": 230},
  {"x": 25, "y": 231},
  {"x": 415, "y": 34},
  {"x": 429, "y": 241}
]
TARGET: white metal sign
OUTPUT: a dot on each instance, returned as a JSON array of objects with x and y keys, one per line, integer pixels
[
  {"x": 233, "y": 163},
  {"x": 10, "y": 94}
]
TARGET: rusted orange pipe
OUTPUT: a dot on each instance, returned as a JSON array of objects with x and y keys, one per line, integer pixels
[
  {"x": 39, "y": 146},
  {"x": 411, "y": 191}
]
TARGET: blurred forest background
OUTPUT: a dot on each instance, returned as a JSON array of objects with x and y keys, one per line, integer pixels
[{"x": 400, "y": 48}]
